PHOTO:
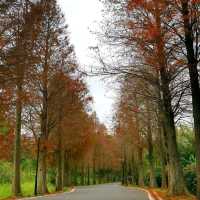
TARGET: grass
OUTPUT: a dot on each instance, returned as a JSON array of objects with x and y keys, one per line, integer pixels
[
  {"x": 27, "y": 179},
  {"x": 27, "y": 190},
  {"x": 5, "y": 191},
  {"x": 66, "y": 189}
]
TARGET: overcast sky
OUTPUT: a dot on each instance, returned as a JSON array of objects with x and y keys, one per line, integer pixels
[{"x": 82, "y": 16}]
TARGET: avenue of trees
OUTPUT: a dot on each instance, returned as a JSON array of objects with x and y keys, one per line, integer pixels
[{"x": 51, "y": 139}]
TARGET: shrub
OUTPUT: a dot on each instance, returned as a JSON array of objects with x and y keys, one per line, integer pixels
[
  {"x": 5, "y": 172},
  {"x": 191, "y": 178},
  {"x": 52, "y": 176}
]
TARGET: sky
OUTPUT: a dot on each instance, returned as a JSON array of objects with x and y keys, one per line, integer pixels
[{"x": 82, "y": 16}]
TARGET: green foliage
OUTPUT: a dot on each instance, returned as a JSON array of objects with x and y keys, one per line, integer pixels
[
  {"x": 191, "y": 178},
  {"x": 27, "y": 189},
  {"x": 28, "y": 170},
  {"x": 28, "y": 178},
  {"x": 186, "y": 145},
  {"x": 187, "y": 156},
  {"x": 28, "y": 164},
  {"x": 5, "y": 172},
  {"x": 52, "y": 176},
  {"x": 5, "y": 191},
  {"x": 158, "y": 177}
]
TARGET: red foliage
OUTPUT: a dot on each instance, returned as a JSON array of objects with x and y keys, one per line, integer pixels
[
  {"x": 195, "y": 1},
  {"x": 134, "y": 3},
  {"x": 6, "y": 145}
]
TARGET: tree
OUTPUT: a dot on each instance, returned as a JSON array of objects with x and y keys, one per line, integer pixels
[
  {"x": 190, "y": 16},
  {"x": 17, "y": 35}
]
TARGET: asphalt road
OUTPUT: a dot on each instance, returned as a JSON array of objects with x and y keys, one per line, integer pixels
[{"x": 100, "y": 192}]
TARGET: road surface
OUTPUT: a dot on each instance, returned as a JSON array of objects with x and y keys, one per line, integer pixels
[{"x": 99, "y": 192}]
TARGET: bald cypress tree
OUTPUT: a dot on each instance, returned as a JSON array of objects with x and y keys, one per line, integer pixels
[{"x": 18, "y": 32}]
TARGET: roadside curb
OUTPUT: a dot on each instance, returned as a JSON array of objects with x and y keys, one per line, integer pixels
[
  {"x": 151, "y": 195},
  {"x": 72, "y": 190},
  {"x": 48, "y": 195},
  {"x": 156, "y": 195}
]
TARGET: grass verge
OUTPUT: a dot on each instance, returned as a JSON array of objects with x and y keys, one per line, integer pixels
[{"x": 27, "y": 190}]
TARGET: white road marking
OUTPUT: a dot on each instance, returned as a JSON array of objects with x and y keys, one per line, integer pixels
[{"x": 48, "y": 195}]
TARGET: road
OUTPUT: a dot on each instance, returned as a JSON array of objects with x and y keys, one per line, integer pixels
[{"x": 99, "y": 192}]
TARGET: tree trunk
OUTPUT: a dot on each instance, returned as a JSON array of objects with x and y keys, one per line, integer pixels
[
  {"x": 162, "y": 137},
  {"x": 152, "y": 167},
  {"x": 37, "y": 164},
  {"x": 163, "y": 174},
  {"x": 150, "y": 149},
  {"x": 75, "y": 175},
  {"x": 63, "y": 167},
  {"x": 134, "y": 170},
  {"x": 82, "y": 174},
  {"x": 94, "y": 171},
  {"x": 88, "y": 175},
  {"x": 194, "y": 82},
  {"x": 99, "y": 173},
  {"x": 61, "y": 155},
  {"x": 140, "y": 167},
  {"x": 175, "y": 168},
  {"x": 123, "y": 173},
  {"x": 124, "y": 168},
  {"x": 60, "y": 162},
  {"x": 42, "y": 168},
  {"x": 65, "y": 171},
  {"x": 42, "y": 175},
  {"x": 17, "y": 146},
  {"x": 70, "y": 177},
  {"x": 162, "y": 155},
  {"x": 131, "y": 179},
  {"x": 42, "y": 171}
]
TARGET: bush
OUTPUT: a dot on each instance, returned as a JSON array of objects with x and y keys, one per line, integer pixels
[
  {"x": 191, "y": 178},
  {"x": 28, "y": 170},
  {"x": 52, "y": 176},
  {"x": 5, "y": 172},
  {"x": 158, "y": 177}
]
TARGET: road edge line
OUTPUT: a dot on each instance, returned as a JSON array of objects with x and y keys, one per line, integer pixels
[
  {"x": 48, "y": 195},
  {"x": 150, "y": 196}
]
